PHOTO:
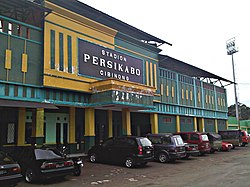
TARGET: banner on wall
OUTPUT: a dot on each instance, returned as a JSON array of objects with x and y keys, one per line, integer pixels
[{"x": 100, "y": 62}]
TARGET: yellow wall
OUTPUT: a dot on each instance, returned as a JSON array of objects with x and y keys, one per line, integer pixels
[{"x": 71, "y": 24}]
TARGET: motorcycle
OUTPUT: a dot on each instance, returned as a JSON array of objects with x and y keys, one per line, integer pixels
[{"x": 78, "y": 162}]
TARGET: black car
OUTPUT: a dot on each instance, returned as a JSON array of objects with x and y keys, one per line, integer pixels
[
  {"x": 128, "y": 150},
  {"x": 10, "y": 171},
  {"x": 40, "y": 163},
  {"x": 167, "y": 147}
]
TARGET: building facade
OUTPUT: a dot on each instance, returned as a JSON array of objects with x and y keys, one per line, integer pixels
[
  {"x": 70, "y": 74},
  {"x": 233, "y": 125}
]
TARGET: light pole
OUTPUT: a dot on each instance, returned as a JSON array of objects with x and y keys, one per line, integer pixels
[{"x": 231, "y": 49}]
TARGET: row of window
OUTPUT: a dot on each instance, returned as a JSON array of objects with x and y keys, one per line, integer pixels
[
  {"x": 18, "y": 91},
  {"x": 62, "y": 96},
  {"x": 14, "y": 29},
  {"x": 188, "y": 95},
  {"x": 60, "y": 38},
  {"x": 167, "y": 74}
]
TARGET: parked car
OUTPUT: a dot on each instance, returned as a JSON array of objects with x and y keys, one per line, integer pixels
[
  {"x": 197, "y": 138},
  {"x": 127, "y": 150},
  {"x": 167, "y": 147},
  {"x": 40, "y": 163},
  {"x": 191, "y": 150},
  {"x": 10, "y": 171},
  {"x": 245, "y": 138},
  {"x": 232, "y": 136},
  {"x": 215, "y": 141},
  {"x": 226, "y": 146}
]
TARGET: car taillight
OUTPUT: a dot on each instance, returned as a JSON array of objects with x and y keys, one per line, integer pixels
[
  {"x": 16, "y": 170},
  {"x": 69, "y": 163},
  {"x": 48, "y": 165},
  {"x": 140, "y": 150}
]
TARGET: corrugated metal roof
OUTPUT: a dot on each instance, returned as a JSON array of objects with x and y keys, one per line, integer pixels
[{"x": 186, "y": 69}]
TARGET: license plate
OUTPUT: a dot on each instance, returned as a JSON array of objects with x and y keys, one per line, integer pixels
[{"x": 59, "y": 165}]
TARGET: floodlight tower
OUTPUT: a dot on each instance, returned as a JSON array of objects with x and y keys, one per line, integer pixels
[{"x": 231, "y": 49}]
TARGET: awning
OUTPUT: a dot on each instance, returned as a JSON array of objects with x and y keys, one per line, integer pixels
[{"x": 25, "y": 104}]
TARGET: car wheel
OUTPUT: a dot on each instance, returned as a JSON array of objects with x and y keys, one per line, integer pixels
[
  {"x": 163, "y": 157},
  {"x": 187, "y": 156},
  {"x": 29, "y": 175},
  {"x": 212, "y": 151},
  {"x": 77, "y": 171},
  {"x": 92, "y": 157},
  {"x": 129, "y": 162}
]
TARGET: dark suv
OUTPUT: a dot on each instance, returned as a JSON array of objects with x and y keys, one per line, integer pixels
[
  {"x": 167, "y": 147},
  {"x": 128, "y": 150}
]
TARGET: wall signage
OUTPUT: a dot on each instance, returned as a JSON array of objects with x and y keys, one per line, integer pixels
[{"x": 101, "y": 62}]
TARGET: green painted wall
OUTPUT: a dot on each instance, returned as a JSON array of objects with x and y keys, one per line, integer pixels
[
  {"x": 20, "y": 44},
  {"x": 186, "y": 124},
  {"x": 209, "y": 125},
  {"x": 167, "y": 123}
]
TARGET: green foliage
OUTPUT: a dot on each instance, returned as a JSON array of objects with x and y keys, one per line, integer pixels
[{"x": 244, "y": 111}]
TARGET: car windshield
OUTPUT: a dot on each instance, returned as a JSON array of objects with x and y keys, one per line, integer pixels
[
  {"x": 178, "y": 140},
  {"x": 46, "y": 154},
  {"x": 204, "y": 137},
  {"x": 145, "y": 142}
]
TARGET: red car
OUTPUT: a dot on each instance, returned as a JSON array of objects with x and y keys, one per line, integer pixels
[
  {"x": 197, "y": 138},
  {"x": 226, "y": 146},
  {"x": 245, "y": 138}
]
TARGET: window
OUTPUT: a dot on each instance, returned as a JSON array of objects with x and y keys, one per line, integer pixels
[
  {"x": 167, "y": 120},
  {"x": 204, "y": 137},
  {"x": 166, "y": 140},
  {"x": 108, "y": 143},
  {"x": 61, "y": 52},
  {"x": 155, "y": 140},
  {"x": 10, "y": 26},
  {"x": 69, "y": 54},
  {"x": 1, "y": 26},
  {"x": 194, "y": 137},
  {"x": 10, "y": 133},
  {"x": 145, "y": 142},
  {"x": 52, "y": 49},
  {"x": 178, "y": 140},
  {"x": 24, "y": 92},
  {"x": 184, "y": 136},
  {"x": 19, "y": 30},
  {"x": 27, "y": 33}
]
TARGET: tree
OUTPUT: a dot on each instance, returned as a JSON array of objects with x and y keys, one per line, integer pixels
[{"x": 244, "y": 111}]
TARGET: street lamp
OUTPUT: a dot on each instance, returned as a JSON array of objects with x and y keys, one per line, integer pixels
[{"x": 231, "y": 49}]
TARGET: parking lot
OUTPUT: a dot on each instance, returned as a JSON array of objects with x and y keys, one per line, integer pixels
[{"x": 220, "y": 169}]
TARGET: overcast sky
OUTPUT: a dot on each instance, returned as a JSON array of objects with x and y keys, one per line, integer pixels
[{"x": 198, "y": 31}]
